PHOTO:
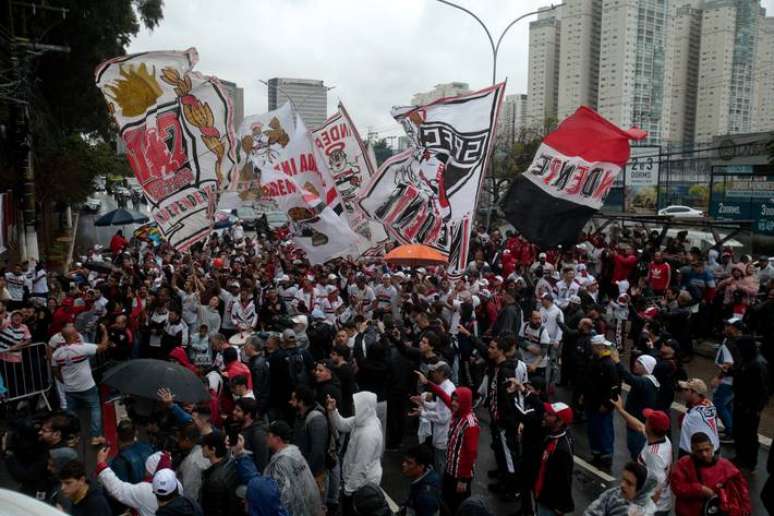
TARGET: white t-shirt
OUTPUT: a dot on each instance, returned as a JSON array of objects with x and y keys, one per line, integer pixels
[
  {"x": 73, "y": 361},
  {"x": 657, "y": 457},
  {"x": 538, "y": 337}
]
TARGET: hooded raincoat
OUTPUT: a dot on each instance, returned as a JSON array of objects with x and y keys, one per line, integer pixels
[{"x": 362, "y": 461}]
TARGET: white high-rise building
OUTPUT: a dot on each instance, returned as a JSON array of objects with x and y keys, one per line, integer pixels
[
  {"x": 681, "y": 72},
  {"x": 449, "y": 89},
  {"x": 726, "y": 67},
  {"x": 513, "y": 117},
  {"x": 579, "y": 55},
  {"x": 631, "y": 64},
  {"x": 763, "y": 99},
  {"x": 543, "y": 69},
  {"x": 309, "y": 98}
]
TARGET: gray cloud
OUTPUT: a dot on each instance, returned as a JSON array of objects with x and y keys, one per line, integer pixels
[{"x": 377, "y": 53}]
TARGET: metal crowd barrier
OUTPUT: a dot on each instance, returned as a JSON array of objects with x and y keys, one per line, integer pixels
[{"x": 28, "y": 378}]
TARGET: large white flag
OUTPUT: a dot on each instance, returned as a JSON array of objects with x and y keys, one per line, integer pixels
[
  {"x": 427, "y": 194},
  {"x": 344, "y": 164},
  {"x": 177, "y": 127},
  {"x": 276, "y": 140},
  {"x": 315, "y": 227}
]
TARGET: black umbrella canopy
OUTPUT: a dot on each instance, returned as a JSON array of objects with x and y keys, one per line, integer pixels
[
  {"x": 143, "y": 377},
  {"x": 121, "y": 217}
]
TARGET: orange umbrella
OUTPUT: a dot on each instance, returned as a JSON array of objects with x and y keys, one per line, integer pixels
[{"x": 415, "y": 255}]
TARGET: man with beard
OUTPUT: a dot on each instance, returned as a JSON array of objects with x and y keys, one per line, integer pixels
[{"x": 534, "y": 342}]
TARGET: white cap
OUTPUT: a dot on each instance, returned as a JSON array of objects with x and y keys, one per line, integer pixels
[
  {"x": 483, "y": 282},
  {"x": 575, "y": 299},
  {"x": 498, "y": 279},
  {"x": 164, "y": 482},
  {"x": 421, "y": 270},
  {"x": 332, "y": 277},
  {"x": 542, "y": 255},
  {"x": 152, "y": 462},
  {"x": 600, "y": 340}
]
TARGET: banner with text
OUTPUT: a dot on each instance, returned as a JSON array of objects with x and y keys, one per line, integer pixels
[
  {"x": 569, "y": 178},
  {"x": 427, "y": 194},
  {"x": 315, "y": 227},
  {"x": 178, "y": 130},
  {"x": 345, "y": 164}
]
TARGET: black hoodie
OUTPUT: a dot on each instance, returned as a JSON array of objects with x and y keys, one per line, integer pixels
[
  {"x": 180, "y": 506},
  {"x": 751, "y": 382}
]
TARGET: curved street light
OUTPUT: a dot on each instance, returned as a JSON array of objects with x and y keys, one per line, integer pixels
[
  {"x": 496, "y": 46},
  {"x": 495, "y": 50}
]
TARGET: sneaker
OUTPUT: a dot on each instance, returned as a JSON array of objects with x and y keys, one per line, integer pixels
[{"x": 726, "y": 439}]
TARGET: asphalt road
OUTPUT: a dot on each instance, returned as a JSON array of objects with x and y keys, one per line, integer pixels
[
  {"x": 88, "y": 234},
  {"x": 588, "y": 482}
]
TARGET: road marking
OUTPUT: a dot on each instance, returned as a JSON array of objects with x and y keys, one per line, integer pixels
[
  {"x": 598, "y": 472},
  {"x": 679, "y": 407}
]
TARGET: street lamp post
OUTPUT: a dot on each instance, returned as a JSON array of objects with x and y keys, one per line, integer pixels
[{"x": 495, "y": 47}]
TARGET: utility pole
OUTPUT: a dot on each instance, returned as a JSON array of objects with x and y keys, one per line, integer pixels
[{"x": 23, "y": 50}]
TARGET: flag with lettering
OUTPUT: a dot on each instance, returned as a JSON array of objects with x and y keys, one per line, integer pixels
[
  {"x": 177, "y": 128},
  {"x": 427, "y": 194},
  {"x": 569, "y": 178},
  {"x": 346, "y": 169},
  {"x": 314, "y": 226}
]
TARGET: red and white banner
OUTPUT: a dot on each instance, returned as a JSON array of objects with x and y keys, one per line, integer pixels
[
  {"x": 428, "y": 193},
  {"x": 178, "y": 130},
  {"x": 314, "y": 227},
  {"x": 569, "y": 178},
  {"x": 344, "y": 163}
]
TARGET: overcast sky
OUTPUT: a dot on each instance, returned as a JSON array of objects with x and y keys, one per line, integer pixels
[{"x": 377, "y": 53}]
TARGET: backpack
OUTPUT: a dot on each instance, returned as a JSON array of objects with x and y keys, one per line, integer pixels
[{"x": 297, "y": 370}]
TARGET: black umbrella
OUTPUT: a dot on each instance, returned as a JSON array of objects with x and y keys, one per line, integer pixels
[
  {"x": 121, "y": 217},
  {"x": 144, "y": 376}
]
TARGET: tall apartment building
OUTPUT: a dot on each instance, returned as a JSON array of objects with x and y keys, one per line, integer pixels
[
  {"x": 543, "y": 68},
  {"x": 681, "y": 72},
  {"x": 763, "y": 98},
  {"x": 579, "y": 55},
  {"x": 439, "y": 91},
  {"x": 237, "y": 95},
  {"x": 726, "y": 79},
  {"x": 513, "y": 117},
  {"x": 631, "y": 64},
  {"x": 308, "y": 96}
]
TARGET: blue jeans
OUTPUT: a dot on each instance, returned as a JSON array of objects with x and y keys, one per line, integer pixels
[
  {"x": 89, "y": 399},
  {"x": 724, "y": 401},
  {"x": 601, "y": 432}
]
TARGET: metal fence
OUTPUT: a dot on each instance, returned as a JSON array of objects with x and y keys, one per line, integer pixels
[{"x": 29, "y": 377}]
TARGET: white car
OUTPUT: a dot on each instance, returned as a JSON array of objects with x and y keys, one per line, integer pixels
[
  {"x": 92, "y": 204},
  {"x": 681, "y": 212}
]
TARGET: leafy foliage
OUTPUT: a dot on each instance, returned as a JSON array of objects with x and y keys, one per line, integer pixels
[{"x": 382, "y": 151}]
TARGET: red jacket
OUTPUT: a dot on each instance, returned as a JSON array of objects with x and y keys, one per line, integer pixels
[
  {"x": 623, "y": 266},
  {"x": 117, "y": 244},
  {"x": 687, "y": 487},
  {"x": 462, "y": 447}
]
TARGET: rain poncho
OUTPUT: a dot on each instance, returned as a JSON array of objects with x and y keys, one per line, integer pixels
[
  {"x": 298, "y": 489},
  {"x": 362, "y": 461}
]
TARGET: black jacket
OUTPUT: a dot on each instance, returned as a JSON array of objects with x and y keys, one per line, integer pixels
[
  {"x": 643, "y": 393},
  {"x": 219, "y": 484},
  {"x": 255, "y": 441},
  {"x": 180, "y": 506},
  {"x": 751, "y": 381},
  {"x": 603, "y": 383},
  {"x": 347, "y": 381},
  {"x": 557, "y": 482},
  {"x": 508, "y": 321},
  {"x": 93, "y": 504},
  {"x": 501, "y": 407},
  {"x": 260, "y": 371}
]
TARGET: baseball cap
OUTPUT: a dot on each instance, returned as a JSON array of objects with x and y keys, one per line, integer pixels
[
  {"x": 600, "y": 340},
  {"x": 233, "y": 284},
  {"x": 575, "y": 299},
  {"x": 441, "y": 366},
  {"x": 318, "y": 314},
  {"x": 547, "y": 296},
  {"x": 694, "y": 384},
  {"x": 282, "y": 430},
  {"x": 560, "y": 410},
  {"x": 542, "y": 255},
  {"x": 332, "y": 277},
  {"x": 734, "y": 321},
  {"x": 658, "y": 420},
  {"x": 164, "y": 482},
  {"x": 288, "y": 334}
]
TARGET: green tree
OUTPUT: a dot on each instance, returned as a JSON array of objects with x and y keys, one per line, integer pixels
[{"x": 382, "y": 151}]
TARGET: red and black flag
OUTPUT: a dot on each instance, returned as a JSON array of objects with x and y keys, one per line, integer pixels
[{"x": 569, "y": 178}]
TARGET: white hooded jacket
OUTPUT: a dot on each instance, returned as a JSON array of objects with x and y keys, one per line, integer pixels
[{"x": 362, "y": 461}]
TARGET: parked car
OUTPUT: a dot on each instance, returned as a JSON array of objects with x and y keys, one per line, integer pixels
[
  {"x": 681, "y": 212},
  {"x": 92, "y": 205}
]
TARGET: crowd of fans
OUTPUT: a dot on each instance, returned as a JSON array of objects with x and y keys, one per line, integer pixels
[{"x": 315, "y": 372}]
